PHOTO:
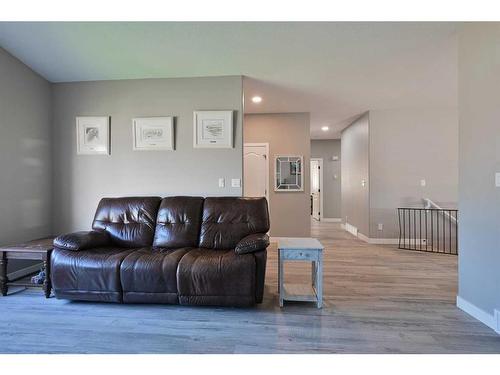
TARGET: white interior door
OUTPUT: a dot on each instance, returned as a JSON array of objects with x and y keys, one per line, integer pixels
[
  {"x": 316, "y": 188},
  {"x": 255, "y": 170}
]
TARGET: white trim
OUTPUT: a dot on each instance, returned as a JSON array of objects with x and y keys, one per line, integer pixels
[
  {"x": 266, "y": 145},
  {"x": 497, "y": 320},
  {"x": 351, "y": 229},
  {"x": 477, "y": 313},
  {"x": 378, "y": 241},
  {"x": 331, "y": 219},
  {"x": 320, "y": 163},
  {"x": 374, "y": 241},
  {"x": 24, "y": 271}
]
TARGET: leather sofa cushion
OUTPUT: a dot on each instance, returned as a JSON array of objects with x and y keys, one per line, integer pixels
[
  {"x": 90, "y": 275},
  {"x": 178, "y": 222},
  {"x": 216, "y": 273},
  {"x": 82, "y": 240},
  {"x": 148, "y": 275},
  {"x": 252, "y": 243},
  {"x": 227, "y": 220},
  {"x": 129, "y": 221}
]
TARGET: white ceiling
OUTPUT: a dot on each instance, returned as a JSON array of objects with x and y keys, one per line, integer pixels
[{"x": 334, "y": 70}]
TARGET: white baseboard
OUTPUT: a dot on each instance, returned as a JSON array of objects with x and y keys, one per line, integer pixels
[
  {"x": 497, "y": 321},
  {"x": 331, "y": 219},
  {"x": 490, "y": 320},
  {"x": 24, "y": 271},
  {"x": 378, "y": 241},
  {"x": 374, "y": 241}
]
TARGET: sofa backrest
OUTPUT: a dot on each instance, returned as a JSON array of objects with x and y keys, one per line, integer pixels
[
  {"x": 178, "y": 222},
  {"x": 130, "y": 221},
  {"x": 226, "y": 220}
]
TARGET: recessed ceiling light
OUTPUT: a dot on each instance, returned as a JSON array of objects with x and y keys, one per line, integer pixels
[
  {"x": 325, "y": 128},
  {"x": 256, "y": 99}
]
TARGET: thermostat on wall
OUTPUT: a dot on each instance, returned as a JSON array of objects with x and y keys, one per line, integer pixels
[{"x": 335, "y": 158}]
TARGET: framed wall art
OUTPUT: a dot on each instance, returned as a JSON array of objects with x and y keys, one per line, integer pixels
[
  {"x": 153, "y": 133},
  {"x": 92, "y": 135},
  {"x": 213, "y": 129}
]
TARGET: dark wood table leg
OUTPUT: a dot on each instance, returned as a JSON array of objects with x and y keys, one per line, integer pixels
[
  {"x": 47, "y": 284},
  {"x": 3, "y": 275}
]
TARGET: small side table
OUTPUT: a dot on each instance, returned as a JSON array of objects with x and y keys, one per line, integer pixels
[
  {"x": 34, "y": 250},
  {"x": 301, "y": 249}
]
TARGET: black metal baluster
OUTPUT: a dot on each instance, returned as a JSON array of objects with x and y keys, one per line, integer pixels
[
  {"x": 426, "y": 238},
  {"x": 437, "y": 226}
]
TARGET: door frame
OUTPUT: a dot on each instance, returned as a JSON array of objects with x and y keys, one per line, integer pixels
[
  {"x": 320, "y": 163},
  {"x": 266, "y": 145}
]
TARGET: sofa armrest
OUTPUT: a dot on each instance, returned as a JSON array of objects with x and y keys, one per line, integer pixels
[
  {"x": 82, "y": 240},
  {"x": 252, "y": 243}
]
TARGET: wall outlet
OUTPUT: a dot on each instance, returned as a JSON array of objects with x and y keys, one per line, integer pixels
[
  {"x": 363, "y": 183},
  {"x": 497, "y": 179},
  {"x": 380, "y": 226},
  {"x": 423, "y": 182},
  {"x": 235, "y": 182},
  {"x": 222, "y": 182}
]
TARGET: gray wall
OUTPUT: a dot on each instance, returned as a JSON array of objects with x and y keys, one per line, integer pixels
[
  {"x": 80, "y": 181},
  {"x": 406, "y": 146},
  {"x": 479, "y": 149},
  {"x": 288, "y": 134},
  {"x": 355, "y": 169},
  {"x": 25, "y": 152},
  {"x": 325, "y": 149}
]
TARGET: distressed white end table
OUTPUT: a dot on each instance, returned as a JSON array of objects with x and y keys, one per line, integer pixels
[{"x": 301, "y": 249}]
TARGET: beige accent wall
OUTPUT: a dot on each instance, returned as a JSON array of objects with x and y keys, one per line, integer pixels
[
  {"x": 479, "y": 149},
  {"x": 355, "y": 169},
  {"x": 80, "y": 181},
  {"x": 326, "y": 149},
  {"x": 287, "y": 134},
  {"x": 407, "y": 146}
]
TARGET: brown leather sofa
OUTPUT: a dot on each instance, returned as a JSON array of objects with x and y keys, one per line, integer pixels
[{"x": 176, "y": 250}]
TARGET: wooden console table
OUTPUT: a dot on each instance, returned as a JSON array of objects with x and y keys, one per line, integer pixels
[
  {"x": 301, "y": 249},
  {"x": 34, "y": 250}
]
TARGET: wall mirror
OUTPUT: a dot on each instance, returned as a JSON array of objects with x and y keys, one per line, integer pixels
[{"x": 288, "y": 173}]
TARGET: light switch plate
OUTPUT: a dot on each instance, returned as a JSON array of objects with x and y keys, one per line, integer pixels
[
  {"x": 423, "y": 182},
  {"x": 380, "y": 226},
  {"x": 222, "y": 182},
  {"x": 236, "y": 183},
  {"x": 497, "y": 179}
]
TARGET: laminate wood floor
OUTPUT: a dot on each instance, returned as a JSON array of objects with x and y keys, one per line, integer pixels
[{"x": 377, "y": 299}]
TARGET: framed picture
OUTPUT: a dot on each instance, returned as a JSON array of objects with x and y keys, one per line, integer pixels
[
  {"x": 92, "y": 135},
  {"x": 213, "y": 129},
  {"x": 153, "y": 133}
]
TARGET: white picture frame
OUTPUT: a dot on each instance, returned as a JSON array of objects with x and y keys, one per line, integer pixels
[
  {"x": 213, "y": 129},
  {"x": 153, "y": 133},
  {"x": 92, "y": 135}
]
